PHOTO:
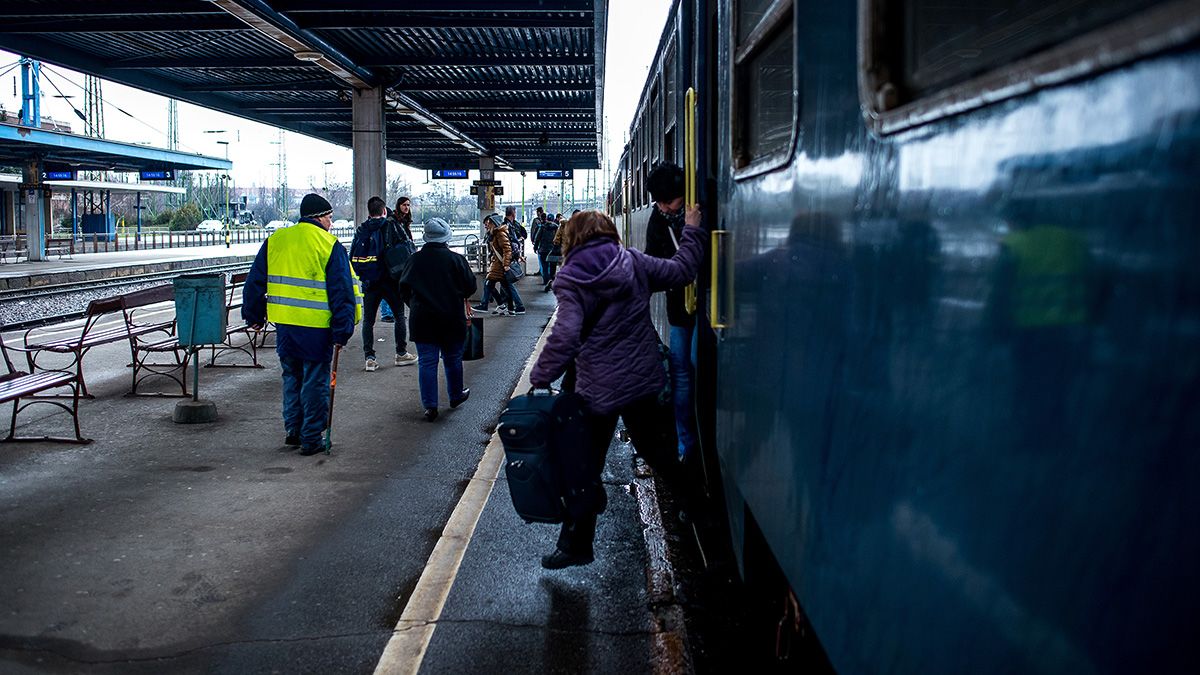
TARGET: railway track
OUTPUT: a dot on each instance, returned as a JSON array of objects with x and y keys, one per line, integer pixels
[{"x": 51, "y": 295}]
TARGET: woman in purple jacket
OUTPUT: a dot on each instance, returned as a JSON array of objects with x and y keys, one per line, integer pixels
[{"x": 604, "y": 326}]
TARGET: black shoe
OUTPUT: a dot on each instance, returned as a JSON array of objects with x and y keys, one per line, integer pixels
[
  {"x": 430, "y": 414},
  {"x": 560, "y": 559},
  {"x": 388, "y": 319},
  {"x": 308, "y": 451},
  {"x": 479, "y": 308},
  {"x": 292, "y": 440},
  {"x": 466, "y": 394},
  {"x": 519, "y": 311}
]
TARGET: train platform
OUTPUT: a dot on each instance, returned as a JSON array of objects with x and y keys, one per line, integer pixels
[
  {"x": 114, "y": 264},
  {"x": 214, "y": 548}
]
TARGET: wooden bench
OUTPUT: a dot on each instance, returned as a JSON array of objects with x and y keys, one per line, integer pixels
[
  {"x": 61, "y": 247},
  {"x": 11, "y": 246},
  {"x": 16, "y": 385},
  {"x": 146, "y": 338},
  {"x": 236, "y": 327}
]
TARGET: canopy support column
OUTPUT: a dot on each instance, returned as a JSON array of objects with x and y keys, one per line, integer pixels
[
  {"x": 35, "y": 203},
  {"x": 370, "y": 143}
]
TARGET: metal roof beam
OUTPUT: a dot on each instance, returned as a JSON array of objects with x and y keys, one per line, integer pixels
[
  {"x": 437, "y": 6},
  {"x": 196, "y": 63},
  {"x": 64, "y": 9},
  {"x": 481, "y": 61},
  {"x": 142, "y": 23},
  {"x": 278, "y": 27},
  {"x": 495, "y": 86},
  {"x": 299, "y": 85},
  {"x": 501, "y": 19}
]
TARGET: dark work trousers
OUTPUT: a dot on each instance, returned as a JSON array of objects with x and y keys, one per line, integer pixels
[
  {"x": 385, "y": 289},
  {"x": 651, "y": 427}
]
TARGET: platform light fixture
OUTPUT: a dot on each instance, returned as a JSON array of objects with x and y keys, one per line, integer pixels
[{"x": 307, "y": 56}]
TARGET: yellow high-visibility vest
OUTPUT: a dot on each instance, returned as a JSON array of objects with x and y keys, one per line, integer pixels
[{"x": 296, "y": 260}]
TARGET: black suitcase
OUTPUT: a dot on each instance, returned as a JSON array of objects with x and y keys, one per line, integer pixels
[{"x": 539, "y": 431}]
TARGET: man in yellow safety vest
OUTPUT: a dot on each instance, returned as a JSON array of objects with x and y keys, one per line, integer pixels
[{"x": 301, "y": 281}]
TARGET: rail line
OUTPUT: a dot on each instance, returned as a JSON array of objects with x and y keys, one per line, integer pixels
[{"x": 43, "y": 292}]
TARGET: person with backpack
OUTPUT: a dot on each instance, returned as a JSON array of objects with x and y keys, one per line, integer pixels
[
  {"x": 535, "y": 228},
  {"x": 369, "y": 256}
]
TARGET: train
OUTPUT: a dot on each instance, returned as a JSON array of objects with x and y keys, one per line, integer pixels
[{"x": 948, "y": 338}]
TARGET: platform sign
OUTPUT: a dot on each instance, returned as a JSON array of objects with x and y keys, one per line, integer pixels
[
  {"x": 498, "y": 190},
  {"x": 450, "y": 173},
  {"x": 161, "y": 174},
  {"x": 58, "y": 175},
  {"x": 557, "y": 174}
]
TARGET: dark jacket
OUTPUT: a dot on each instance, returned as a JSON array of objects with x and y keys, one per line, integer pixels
[
  {"x": 434, "y": 285},
  {"x": 543, "y": 241},
  {"x": 660, "y": 245},
  {"x": 303, "y": 342},
  {"x": 372, "y": 271},
  {"x": 405, "y": 224},
  {"x": 609, "y": 287}
]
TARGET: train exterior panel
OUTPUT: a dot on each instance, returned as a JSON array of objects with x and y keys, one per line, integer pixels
[
  {"x": 957, "y": 390},
  {"x": 960, "y": 389}
]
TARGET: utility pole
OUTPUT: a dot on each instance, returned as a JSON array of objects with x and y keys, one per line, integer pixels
[{"x": 281, "y": 199}]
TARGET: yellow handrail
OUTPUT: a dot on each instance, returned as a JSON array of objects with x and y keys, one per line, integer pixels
[{"x": 689, "y": 178}]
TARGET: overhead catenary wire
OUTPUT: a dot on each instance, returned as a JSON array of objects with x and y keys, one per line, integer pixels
[{"x": 117, "y": 108}]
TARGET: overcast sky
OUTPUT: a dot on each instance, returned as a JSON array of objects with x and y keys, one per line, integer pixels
[{"x": 135, "y": 116}]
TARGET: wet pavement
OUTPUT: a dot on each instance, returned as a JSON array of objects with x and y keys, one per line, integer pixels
[{"x": 211, "y": 548}]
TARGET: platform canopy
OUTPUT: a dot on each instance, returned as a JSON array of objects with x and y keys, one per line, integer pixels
[
  {"x": 518, "y": 80},
  {"x": 83, "y": 153}
]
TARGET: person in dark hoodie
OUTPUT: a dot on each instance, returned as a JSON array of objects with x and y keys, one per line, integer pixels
[
  {"x": 437, "y": 284},
  {"x": 604, "y": 326},
  {"x": 376, "y": 235},
  {"x": 663, "y": 232},
  {"x": 301, "y": 281}
]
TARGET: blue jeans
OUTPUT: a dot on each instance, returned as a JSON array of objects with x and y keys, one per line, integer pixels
[
  {"x": 514, "y": 298},
  {"x": 682, "y": 375},
  {"x": 305, "y": 399},
  {"x": 542, "y": 265},
  {"x": 490, "y": 289},
  {"x": 427, "y": 364}
]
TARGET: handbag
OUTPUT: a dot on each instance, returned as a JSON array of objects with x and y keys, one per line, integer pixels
[
  {"x": 514, "y": 271},
  {"x": 473, "y": 347}
]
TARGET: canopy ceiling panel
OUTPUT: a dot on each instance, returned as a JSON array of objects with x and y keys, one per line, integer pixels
[{"x": 520, "y": 80}]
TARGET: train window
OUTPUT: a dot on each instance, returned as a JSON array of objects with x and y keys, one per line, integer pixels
[
  {"x": 670, "y": 97},
  {"x": 654, "y": 127},
  {"x": 764, "y": 81},
  {"x": 924, "y": 59}
]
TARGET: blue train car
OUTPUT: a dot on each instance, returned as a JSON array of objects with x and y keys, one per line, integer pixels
[{"x": 955, "y": 380}]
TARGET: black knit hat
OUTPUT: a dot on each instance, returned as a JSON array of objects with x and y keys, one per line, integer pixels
[
  {"x": 665, "y": 182},
  {"x": 314, "y": 206}
]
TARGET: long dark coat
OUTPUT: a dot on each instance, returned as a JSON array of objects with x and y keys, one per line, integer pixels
[{"x": 435, "y": 283}]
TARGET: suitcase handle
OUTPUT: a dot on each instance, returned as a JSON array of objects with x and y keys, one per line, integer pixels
[{"x": 534, "y": 391}]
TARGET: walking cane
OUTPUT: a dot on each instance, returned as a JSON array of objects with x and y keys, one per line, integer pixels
[{"x": 337, "y": 349}]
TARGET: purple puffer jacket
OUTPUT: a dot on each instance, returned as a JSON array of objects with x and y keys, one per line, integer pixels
[{"x": 619, "y": 363}]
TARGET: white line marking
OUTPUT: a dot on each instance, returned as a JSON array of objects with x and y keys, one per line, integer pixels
[{"x": 410, "y": 638}]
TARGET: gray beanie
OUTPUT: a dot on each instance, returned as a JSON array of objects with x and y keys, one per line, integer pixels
[{"x": 436, "y": 231}]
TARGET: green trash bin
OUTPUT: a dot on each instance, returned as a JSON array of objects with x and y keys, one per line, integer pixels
[
  {"x": 200, "y": 319},
  {"x": 200, "y": 309}
]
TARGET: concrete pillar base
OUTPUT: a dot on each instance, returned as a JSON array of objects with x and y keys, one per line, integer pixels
[{"x": 194, "y": 412}]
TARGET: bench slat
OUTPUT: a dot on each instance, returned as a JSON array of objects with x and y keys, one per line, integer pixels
[{"x": 24, "y": 385}]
